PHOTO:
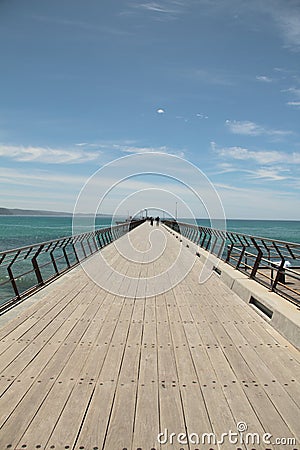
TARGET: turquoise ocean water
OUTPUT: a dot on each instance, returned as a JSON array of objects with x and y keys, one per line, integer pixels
[{"x": 19, "y": 231}]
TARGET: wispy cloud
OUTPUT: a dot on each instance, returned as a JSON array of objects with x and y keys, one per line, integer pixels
[
  {"x": 260, "y": 157},
  {"x": 262, "y": 173},
  {"x": 297, "y": 104},
  {"x": 162, "y": 149},
  {"x": 264, "y": 78},
  {"x": 47, "y": 155},
  {"x": 201, "y": 116},
  {"x": 161, "y": 10},
  {"x": 162, "y": 7},
  {"x": 271, "y": 174},
  {"x": 132, "y": 147},
  {"x": 287, "y": 17},
  {"x": 249, "y": 128},
  {"x": 293, "y": 91},
  {"x": 260, "y": 202}
]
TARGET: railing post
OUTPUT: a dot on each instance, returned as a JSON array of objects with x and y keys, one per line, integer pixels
[
  {"x": 258, "y": 258},
  {"x": 89, "y": 245},
  {"x": 203, "y": 240},
  {"x": 66, "y": 256},
  {"x": 229, "y": 250},
  {"x": 279, "y": 272},
  {"x": 83, "y": 249},
  {"x": 99, "y": 240},
  {"x": 11, "y": 276},
  {"x": 54, "y": 262},
  {"x": 75, "y": 252},
  {"x": 221, "y": 249},
  {"x": 13, "y": 282},
  {"x": 36, "y": 266},
  {"x": 241, "y": 257},
  {"x": 214, "y": 244},
  {"x": 195, "y": 234},
  {"x": 208, "y": 242},
  {"x": 95, "y": 243}
]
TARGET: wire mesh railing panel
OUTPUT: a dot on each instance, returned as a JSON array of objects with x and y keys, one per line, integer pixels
[
  {"x": 273, "y": 263},
  {"x": 26, "y": 269}
]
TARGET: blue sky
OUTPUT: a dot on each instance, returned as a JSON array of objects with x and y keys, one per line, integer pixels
[{"x": 216, "y": 82}]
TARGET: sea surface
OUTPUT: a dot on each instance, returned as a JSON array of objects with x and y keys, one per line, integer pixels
[
  {"x": 19, "y": 231},
  {"x": 281, "y": 230}
]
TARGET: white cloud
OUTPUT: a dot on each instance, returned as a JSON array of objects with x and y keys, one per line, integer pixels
[
  {"x": 264, "y": 79},
  {"x": 162, "y": 149},
  {"x": 163, "y": 6},
  {"x": 47, "y": 155},
  {"x": 272, "y": 174},
  {"x": 156, "y": 7},
  {"x": 249, "y": 128},
  {"x": 287, "y": 18},
  {"x": 242, "y": 202},
  {"x": 293, "y": 91},
  {"x": 39, "y": 178},
  {"x": 293, "y": 104},
  {"x": 260, "y": 157}
]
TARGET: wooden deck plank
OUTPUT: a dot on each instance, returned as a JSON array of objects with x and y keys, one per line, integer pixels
[
  {"x": 170, "y": 399},
  {"x": 38, "y": 351},
  {"x": 66, "y": 335},
  {"x": 254, "y": 390},
  {"x": 20, "y": 417},
  {"x": 74, "y": 411},
  {"x": 194, "y": 405},
  {"x": 254, "y": 374},
  {"x": 265, "y": 375},
  {"x": 120, "y": 432},
  {"x": 102, "y": 401},
  {"x": 209, "y": 335},
  {"x": 67, "y": 383},
  {"x": 215, "y": 403},
  {"x": 146, "y": 423}
]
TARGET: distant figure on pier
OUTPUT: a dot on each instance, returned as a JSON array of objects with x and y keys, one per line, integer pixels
[
  {"x": 151, "y": 221},
  {"x": 157, "y": 221}
]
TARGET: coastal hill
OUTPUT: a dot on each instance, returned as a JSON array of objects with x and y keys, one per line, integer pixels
[{"x": 32, "y": 212}]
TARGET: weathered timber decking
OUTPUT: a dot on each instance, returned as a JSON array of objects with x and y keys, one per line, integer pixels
[{"x": 86, "y": 369}]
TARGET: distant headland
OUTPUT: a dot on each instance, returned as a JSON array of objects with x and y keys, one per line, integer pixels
[{"x": 33, "y": 212}]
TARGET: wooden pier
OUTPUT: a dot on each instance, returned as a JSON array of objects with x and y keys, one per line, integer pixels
[{"x": 82, "y": 368}]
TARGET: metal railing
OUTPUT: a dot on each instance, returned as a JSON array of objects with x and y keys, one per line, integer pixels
[
  {"x": 273, "y": 263},
  {"x": 26, "y": 269}
]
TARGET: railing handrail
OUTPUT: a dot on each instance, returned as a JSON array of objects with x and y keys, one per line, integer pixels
[
  {"x": 250, "y": 255},
  {"x": 30, "y": 267},
  {"x": 277, "y": 241},
  {"x": 51, "y": 241}
]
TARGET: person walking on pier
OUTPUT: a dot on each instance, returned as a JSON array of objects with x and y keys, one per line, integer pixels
[
  {"x": 151, "y": 221},
  {"x": 157, "y": 221}
]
